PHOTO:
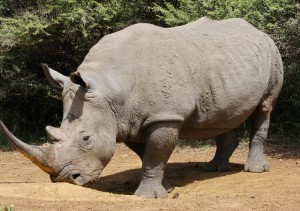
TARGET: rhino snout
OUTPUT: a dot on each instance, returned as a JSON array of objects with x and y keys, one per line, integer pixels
[{"x": 73, "y": 177}]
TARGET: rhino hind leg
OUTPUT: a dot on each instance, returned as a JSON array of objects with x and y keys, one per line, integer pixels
[
  {"x": 139, "y": 149},
  {"x": 261, "y": 117},
  {"x": 160, "y": 141},
  {"x": 256, "y": 161},
  {"x": 226, "y": 144}
]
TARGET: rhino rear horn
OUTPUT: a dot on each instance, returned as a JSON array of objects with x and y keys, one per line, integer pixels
[
  {"x": 55, "y": 134},
  {"x": 39, "y": 155}
]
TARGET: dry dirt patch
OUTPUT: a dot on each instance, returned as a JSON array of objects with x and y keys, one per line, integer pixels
[{"x": 28, "y": 188}]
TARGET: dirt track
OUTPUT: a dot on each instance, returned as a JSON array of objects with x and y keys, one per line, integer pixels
[{"x": 28, "y": 188}]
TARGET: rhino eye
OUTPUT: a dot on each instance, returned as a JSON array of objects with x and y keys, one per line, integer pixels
[{"x": 86, "y": 138}]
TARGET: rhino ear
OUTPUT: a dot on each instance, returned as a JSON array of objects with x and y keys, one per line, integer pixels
[
  {"x": 55, "y": 78},
  {"x": 77, "y": 79}
]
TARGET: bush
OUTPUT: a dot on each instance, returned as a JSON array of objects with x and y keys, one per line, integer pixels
[
  {"x": 60, "y": 33},
  {"x": 286, "y": 121}
]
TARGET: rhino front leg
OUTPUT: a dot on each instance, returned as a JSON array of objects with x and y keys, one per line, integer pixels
[
  {"x": 226, "y": 144},
  {"x": 160, "y": 140},
  {"x": 139, "y": 149},
  {"x": 259, "y": 130}
]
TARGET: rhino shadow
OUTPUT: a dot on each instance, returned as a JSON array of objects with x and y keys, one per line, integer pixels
[{"x": 178, "y": 174}]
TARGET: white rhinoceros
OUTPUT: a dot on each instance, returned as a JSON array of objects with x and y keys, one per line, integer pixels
[{"x": 148, "y": 86}]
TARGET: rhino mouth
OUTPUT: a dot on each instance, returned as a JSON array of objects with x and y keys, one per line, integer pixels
[{"x": 74, "y": 177}]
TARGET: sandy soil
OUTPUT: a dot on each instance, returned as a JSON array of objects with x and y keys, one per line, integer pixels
[{"x": 28, "y": 188}]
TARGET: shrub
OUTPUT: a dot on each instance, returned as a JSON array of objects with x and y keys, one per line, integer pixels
[{"x": 60, "y": 33}]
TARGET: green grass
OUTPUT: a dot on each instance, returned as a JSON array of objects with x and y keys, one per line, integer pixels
[{"x": 7, "y": 208}]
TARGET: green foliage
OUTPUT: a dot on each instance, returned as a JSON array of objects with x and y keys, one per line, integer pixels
[
  {"x": 61, "y": 32},
  {"x": 287, "y": 117},
  {"x": 264, "y": 14}
]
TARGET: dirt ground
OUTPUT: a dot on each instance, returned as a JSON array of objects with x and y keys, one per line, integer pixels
[{"x": 26, "y": 187}]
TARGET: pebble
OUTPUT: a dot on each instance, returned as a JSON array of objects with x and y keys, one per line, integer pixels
[{"x": 175, "y": 196}]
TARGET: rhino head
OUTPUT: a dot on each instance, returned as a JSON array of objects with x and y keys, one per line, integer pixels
[{"x": 85, "y": 141}]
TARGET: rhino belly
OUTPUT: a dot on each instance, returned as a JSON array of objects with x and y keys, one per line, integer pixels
[
  {"x": 192, "y": 129},
  {"x": 211, "y": 119}
]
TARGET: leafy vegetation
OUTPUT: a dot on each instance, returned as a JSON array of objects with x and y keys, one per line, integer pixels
[{"x": 61, "y": 32}]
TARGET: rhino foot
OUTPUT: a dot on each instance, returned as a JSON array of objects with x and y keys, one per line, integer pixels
[
  {"x": 257, "y": 166},
  {"x": 151, "y": 190},
  {"x": 213, "y": 166}
]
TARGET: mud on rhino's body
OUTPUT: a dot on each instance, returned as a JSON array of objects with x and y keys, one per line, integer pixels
[{"x": 146, "y": 86}]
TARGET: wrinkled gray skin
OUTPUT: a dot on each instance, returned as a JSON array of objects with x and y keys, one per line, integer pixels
[{"x": 148, "y": 86}]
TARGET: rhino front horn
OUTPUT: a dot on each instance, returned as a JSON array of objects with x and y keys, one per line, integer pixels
[{"x": 39, "y": 155}]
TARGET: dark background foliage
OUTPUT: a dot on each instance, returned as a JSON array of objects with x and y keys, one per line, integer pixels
[{"x": 61, "y": 32}]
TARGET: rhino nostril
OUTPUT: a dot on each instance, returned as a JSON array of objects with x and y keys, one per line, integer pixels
[{"x": 75, "y": 176}]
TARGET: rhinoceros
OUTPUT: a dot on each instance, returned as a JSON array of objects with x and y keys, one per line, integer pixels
[{"x": 148, "y": 87}]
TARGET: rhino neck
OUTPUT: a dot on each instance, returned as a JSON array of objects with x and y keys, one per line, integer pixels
[
  {"x": 118, "y": 83},
  {"x": 124, "y": 102}
]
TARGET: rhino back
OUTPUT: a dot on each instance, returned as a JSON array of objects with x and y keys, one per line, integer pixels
[{"x": 204, "y": 74}]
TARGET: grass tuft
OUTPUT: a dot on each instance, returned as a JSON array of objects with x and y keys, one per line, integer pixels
[{"x": 7, "y": 208}]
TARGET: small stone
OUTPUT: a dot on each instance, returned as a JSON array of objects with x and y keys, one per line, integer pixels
[
  {"x": 252, "y": 197},
  {"x": 175, "y": 196}
]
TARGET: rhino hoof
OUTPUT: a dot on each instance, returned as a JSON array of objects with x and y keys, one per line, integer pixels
[
  {"x": 257, "y": 167},
  {"x": 151, "y": 192}
]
